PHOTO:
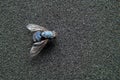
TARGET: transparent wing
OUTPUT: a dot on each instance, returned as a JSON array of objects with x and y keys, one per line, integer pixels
[
  {"x": 37, "y": 47},
  {"x": 34, "y": 27}
]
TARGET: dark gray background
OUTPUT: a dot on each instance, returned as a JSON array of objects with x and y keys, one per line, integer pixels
[{"x": 87, "y": 46}]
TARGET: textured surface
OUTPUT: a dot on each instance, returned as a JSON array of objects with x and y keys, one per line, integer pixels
[{"x": 87, "y": 46}]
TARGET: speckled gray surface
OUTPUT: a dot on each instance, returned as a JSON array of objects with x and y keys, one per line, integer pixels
[{"x": 87, "y": 47}]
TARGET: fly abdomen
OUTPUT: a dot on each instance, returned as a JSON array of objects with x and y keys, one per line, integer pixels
[{"x": 37, "y": 36}]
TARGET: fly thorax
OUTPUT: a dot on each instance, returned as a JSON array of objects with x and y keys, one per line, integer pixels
[{"x": 48, "y": 34}]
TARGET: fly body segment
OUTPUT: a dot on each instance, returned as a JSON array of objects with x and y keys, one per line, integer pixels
[{"x": 40, "y": 38}]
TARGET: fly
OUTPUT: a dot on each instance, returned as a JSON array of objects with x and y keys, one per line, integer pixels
[{"x": 40, "y": 38}]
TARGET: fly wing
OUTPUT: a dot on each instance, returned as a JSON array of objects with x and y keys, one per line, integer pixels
[
  {"x": 37, "y": 47},
  {"x": 34, "y": 27}
]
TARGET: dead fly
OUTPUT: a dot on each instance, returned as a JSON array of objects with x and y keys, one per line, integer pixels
[{"x": 40, "y": 38}]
